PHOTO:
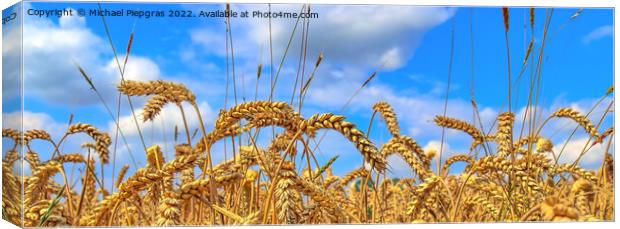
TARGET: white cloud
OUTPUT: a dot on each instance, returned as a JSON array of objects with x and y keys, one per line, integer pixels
[
  {"x": 164, "y": 123},
  {"x": 592, "y": 158},
  {"x": 437, "y": 146},
  {"x": 51, "y": 51},
  {"x": 30, "y": 121},
  {"x": 447, "y": 151},
  {"x": 598, "y": 33},
  {"x": 392, "y": 59},
  {"x": 71, "y": 22},
  {"x": 354, "y": 39},
  {"x": 397, "y": 167},
  {"x": 138, "y": 68},
  {"x": 363, "y": 35}
]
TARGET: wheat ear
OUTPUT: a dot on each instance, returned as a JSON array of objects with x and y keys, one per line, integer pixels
[
  {"x": 584, "y": 122},
  {"x": 456, "y": 124},
  {"x": 348, "y": 129},
  {"x": 389, "y": 116}
]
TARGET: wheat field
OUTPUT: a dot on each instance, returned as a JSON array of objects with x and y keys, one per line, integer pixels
[
  {"x": 519, "y": 179},
  {"x": 517, "y": 183}
]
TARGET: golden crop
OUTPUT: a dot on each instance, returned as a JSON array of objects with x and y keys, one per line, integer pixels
[
  {"x": 521, "y": 181},
  {"x": 519, "y": 178}
]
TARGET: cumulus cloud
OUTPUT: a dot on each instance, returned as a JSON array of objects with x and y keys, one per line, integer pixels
[
  {"x": 446, "y": 150},
  {"x": 392, "y": 58},
  {"x": 51, "y": 51},
  {"x": 591, "y": 158},
  {"x": 398, "y": 167},
  {"x": 352, "y": 38},
  {"x": 30, "y": 121},
  {"x": 162, "y": 127},
  {"x": 368, "y": 35},
  {"x": 598, "y": 33}
]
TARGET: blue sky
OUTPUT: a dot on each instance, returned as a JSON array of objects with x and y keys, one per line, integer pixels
[{"x": 408, "y": 46}]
